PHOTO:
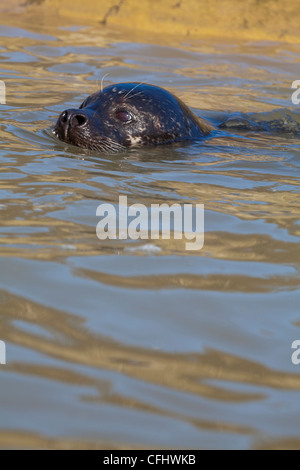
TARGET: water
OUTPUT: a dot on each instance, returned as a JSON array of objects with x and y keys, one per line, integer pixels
[{"x": 143, "y": 344}]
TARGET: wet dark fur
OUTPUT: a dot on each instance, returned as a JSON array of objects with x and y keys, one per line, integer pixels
[{"x": 155, "y": 117}]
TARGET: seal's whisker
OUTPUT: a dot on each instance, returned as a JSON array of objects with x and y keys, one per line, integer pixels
[
  {"x": 136, "y": 94},
  {"x": 102, "y": 79},
  {"x": 141, "y": 83}
]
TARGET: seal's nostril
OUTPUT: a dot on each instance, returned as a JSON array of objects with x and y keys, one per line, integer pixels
[
  {"x": 64, "y": 116},
  {"x": 78, "y": 120}
]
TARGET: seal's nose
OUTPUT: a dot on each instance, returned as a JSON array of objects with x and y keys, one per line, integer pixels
[
  {"x": 73, "y": 117},
  {"x": 78, "y": 119},
  {"x": 69, "y": 119}
]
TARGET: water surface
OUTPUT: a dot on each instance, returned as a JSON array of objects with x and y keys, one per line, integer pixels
[{"x": 143, "y": 344}]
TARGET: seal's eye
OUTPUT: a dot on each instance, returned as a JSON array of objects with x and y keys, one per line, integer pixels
[{"x": 123, "y": 115}]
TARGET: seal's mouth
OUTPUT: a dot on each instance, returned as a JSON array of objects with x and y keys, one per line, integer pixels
[{"x": 59, "y": 134}]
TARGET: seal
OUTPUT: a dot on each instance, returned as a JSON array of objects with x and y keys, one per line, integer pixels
[{"x": 129, "y": 114}]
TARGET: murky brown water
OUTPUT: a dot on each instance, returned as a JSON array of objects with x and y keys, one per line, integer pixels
[{"x": 124, "y": 344}]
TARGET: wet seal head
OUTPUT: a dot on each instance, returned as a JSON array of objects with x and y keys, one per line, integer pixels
[{"x": 129, "y": 114}]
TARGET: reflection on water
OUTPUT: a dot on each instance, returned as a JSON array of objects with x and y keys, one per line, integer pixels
[{"x": 102, "y": 351}]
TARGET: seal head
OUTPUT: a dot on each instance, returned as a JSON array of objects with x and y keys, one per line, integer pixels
[{"x": 129, "y": 114}]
